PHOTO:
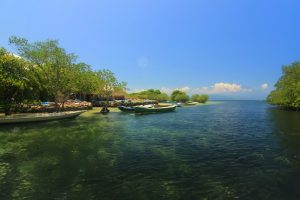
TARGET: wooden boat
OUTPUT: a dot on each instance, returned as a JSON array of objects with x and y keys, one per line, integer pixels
[
  {"x": 191, "y": 103},
  {"x": 126, "y": 108},
  {"x": 154, "y": 109},
  {"x": 38, "y": 117}
]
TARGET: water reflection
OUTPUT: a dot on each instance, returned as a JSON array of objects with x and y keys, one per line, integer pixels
[
  {"x": 288, "y": 122},
  {"x": 237, "y": 150},
  {"x": 58, "y": 159},
  {"x": 287, "y": 126}
]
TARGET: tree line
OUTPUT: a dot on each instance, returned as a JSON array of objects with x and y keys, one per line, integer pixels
[
  {"x": 44, "y": 71},
  {"x": 177, "y": 96},
  {"x": 287, "y": 89}
]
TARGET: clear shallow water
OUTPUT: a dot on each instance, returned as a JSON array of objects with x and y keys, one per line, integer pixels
[{"x": 234, "y": 150}]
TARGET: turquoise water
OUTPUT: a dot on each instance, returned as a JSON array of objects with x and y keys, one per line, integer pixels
[{"x": 233, "y": 150}]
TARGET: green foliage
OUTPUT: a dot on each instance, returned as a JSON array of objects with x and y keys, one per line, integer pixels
[
  {"x": 150, "y": 94},
  {"x": 16, "y": 81},
  {"x": 179, "y": 96},
  {"x": 287, "y": 92},
  {"x": 46, "y": 71},
  {"x": 55, "y": 68},
  {"x": 200, "y": 98},
  {"x": 108, "y": 84},
  {"x": 86, "y": 81},
  {"x": 60, "y": 75}
]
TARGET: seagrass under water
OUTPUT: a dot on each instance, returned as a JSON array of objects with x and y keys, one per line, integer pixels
[{"x": 233, "y": 150}]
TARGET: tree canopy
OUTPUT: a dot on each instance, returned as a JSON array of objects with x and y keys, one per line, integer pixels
[
  {"x": 150, "y": 94},
  {"x": 56, "y": 68},
  {"x": 108, "y": 83},
  {"x": 200, "y": 98},
  {"x": 179, "y": 96},
  {"x": 45, "y": 71},
  {"x": 287, "y": 92},
  {"x": 17, "y": 83}
]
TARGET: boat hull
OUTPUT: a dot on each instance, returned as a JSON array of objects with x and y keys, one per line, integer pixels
[
  {"x": 140, "y": 109},
  {"x": 39, "y": 117},
  {"x": 191, "y": 104},
  {"x": 126, "y": 109}
]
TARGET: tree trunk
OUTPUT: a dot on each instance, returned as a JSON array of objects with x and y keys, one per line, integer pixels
[
  {"x": 56, "y": 103},
  {"x": 63, "y": 106},
  {"x": 7, "y": 111},
  {"x": 105, "y": 109}
]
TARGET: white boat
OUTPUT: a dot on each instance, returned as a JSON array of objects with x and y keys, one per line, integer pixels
[
  {"x": 178, "y": 104},
  {"x": 191, "y": 103},
  {"x": 154, "y": 108},
  {"x": 38, "y": 117}
]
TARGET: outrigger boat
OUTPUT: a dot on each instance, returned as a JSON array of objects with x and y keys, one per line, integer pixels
[
  {"x": 38, "y": 117},
  {"x": 154, "y": 108}
]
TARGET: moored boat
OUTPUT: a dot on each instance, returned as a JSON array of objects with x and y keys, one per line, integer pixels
[
  {"x": 38, "y": 117},
  {"x": 191, "y": 103},
  {"x": 178, "y": 104},
  {"x": 154, "y": 109},
  {"x": 126, "y": 108},
  {"x": 164, "y": 104}
]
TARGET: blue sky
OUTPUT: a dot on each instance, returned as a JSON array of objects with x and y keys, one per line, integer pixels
[{"x": 226, "y": 48}]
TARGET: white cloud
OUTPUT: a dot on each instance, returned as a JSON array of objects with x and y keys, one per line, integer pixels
[
  {"x": 135, "y": 90},
  {"x": 221, "y": 87},
  {"x": 166, "y": 90},
  {"x": 264, "y": 86},
  {"x": 184, "y": 89},
  {"x": 170, "y": 90}
]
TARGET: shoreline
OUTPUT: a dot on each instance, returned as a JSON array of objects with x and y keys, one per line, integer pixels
[{"x": 116, "y": 110}]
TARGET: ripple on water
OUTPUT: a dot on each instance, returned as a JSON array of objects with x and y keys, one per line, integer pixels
[{"x": 233, "y": 150}]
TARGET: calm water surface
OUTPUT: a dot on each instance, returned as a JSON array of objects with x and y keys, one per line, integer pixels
[{"x": 233, "y": 150}]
